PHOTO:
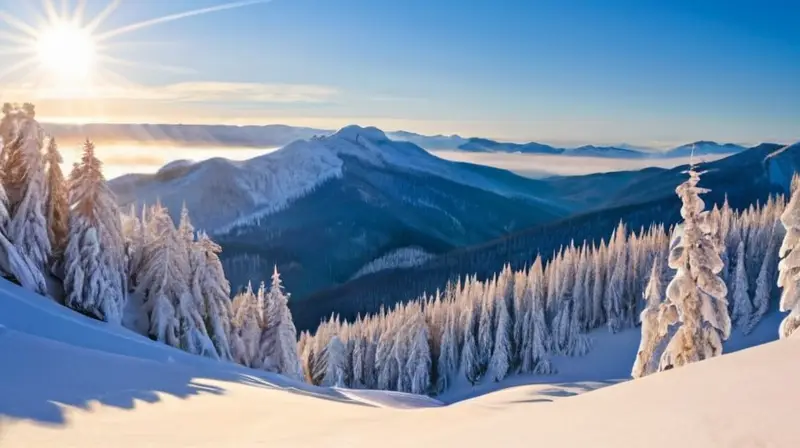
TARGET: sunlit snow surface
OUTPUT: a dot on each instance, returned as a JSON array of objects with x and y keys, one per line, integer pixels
[{"x": 69, "y": 381}]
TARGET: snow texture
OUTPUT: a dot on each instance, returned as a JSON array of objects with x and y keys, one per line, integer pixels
[
  {"x": 405, "y": 257},
  {"x": 114, "y": 385}
]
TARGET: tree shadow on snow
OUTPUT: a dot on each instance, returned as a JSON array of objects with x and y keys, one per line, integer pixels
[{"x": 40, "y": 378}]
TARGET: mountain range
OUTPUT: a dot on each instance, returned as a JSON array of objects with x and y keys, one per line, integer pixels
[
  {"x": 338, "y": 213},
  {"x": 356, "y": 194},
  {"x": 276, "y": 135}
]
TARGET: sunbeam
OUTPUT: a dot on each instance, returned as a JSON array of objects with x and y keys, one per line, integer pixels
[
  {"x": 178, "y": 16},
  {"x": 97, "y": 21},
  {"x": 70, "y": 58}
]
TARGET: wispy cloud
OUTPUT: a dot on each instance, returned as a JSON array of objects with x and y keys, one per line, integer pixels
[{"x": 201, "y": 91}]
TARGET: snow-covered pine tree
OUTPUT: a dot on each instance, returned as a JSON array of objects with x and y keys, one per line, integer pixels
[
  {"x": 500, "y": 361},
  {"x": 447, "y": 365},
  {"x": 615, "y": 289},
  {"x": 419, "y": 361},
  {"x": 538, "y": 337},
  {"x": 485, "y": 299},
  {"x": 246, "y": 329},
  {"x": 25, "y": 184},
  {"x": 697, "y": 292},
  {"x": 12, "y": 263},
  {"x": 789, "y": 267},
  {"x": 94, "y": 279},
  {"x": 643, "y": 365},
  {"x": 210, "y": 285},
  {"x": 277, "y": 344},
  {"x": 742, "y": 306},
  {"x": 334, "y": 354},
  {"x": 164, "y": 284},
  {"x": 763, "y": 292},
  {"x": 56, "y": 206},
  {"x": 469, "y": 349}
]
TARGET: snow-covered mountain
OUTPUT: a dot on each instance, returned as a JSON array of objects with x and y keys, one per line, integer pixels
[
  {"x": 429, "y": 142},
  {"x": 486, "y": 145},
  {"x": 357, "y": 193},
  {"x": 604, "y": 151},
  {"x": 703, "y": 148},
  {"x": 68, "y": 380}
]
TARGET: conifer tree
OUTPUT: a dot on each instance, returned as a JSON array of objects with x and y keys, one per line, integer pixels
[
  {"x": 56, "y": 205},
  {"x": 246, "y": 329},
  {"x": 649, "y": 319},
  {"x": 789, "y": 267},
  {"x": 12, "y": 263},
  {"x": 742, "y": 307},
  {"x": 25, "y": 184},
  {"x": 499, "y": 363},
  {"x": 210, "y": 285},
  {"x": 277, "y": 345},
  {"x": 94, "y": 278},
  {"x": 335, "y": 363},
  {"x": 696, "y": 292}
]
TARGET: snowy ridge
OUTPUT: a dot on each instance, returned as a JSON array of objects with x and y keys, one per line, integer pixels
[
  {"x": 404, "y": 257},
  {"x": 245, "y": 192},
  {"x": 234, "y": 193},
  {"x": 282, "y": 177}
]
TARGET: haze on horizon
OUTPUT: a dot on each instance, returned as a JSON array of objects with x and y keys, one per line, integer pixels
[{"x": 594, "y": 72}]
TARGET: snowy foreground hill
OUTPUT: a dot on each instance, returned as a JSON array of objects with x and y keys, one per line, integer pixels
[{"x": 69, "y": 381}]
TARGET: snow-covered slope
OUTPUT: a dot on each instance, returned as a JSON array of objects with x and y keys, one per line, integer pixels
[
  {"x": 69, "y": 381},
  {"x": 405, "y": 257}
]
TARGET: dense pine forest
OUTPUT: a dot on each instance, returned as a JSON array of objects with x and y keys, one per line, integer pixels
[{"x": 686, "y": 285}]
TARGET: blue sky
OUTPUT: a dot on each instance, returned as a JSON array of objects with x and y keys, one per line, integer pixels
[{"x": 641, "y": 72}]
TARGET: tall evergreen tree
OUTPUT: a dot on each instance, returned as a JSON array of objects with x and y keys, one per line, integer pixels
[
  {"x": 210, "y": 285},
  {"x": 56, "y": 205},
  {"x": 696, "y": 292},
  {"x": 94, "y": 278},
  {"x": 742, "y": 307},
  {"x": 278, "y": 346},
  {"x": 25, "y": 184},
  {"x": 649, "y": 319},
  {"x": 789, "y": 267}
]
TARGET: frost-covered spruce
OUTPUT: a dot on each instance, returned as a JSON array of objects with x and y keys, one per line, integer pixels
[
  {"x": 277, "y": 344},
  {"x": 25, "y": 183},
  {"x": 447, "y": 365},
  {"x": 164, "y": 284},
  {"x": 246, "y": 328},
  {"x": 210, "y": 285},
  {"x": 334, "y": 363},
  {"x": 418, "y": 365},
  {"x": 643, "y": 365},
  {"x": 94, "y": 276},
  {"x": 56, "y": 206},
  {"x": 789, "y": 267},
  {"x": 742, "y": 306},
  {"x": 500, "y": 362},
  {"x": 697, "y": 292},
  {"x": 12, "y": 263}
]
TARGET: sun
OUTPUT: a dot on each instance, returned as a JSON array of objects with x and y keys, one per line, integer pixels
[{"x": 66, "y": 50}]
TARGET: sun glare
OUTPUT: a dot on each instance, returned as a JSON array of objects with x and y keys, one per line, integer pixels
[{"x": 66, "y": 50}]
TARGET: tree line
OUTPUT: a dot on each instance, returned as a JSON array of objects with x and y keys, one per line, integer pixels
[
  {"x": 67, "y": 238},
  {"x": 516, "y": 321}
]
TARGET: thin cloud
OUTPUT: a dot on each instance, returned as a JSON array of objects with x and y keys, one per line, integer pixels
[{"x": 208, "y": 91}]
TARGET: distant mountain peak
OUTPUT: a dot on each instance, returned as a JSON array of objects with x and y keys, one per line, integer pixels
[{"x": 353, "y": 132}]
